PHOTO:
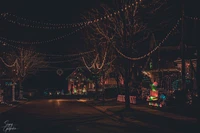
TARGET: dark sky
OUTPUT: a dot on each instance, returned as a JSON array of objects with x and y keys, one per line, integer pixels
[
  {"x": 46, "y": 11},
  {"x": 53, "y": 12},
  {"x": 68, "y": 11}
]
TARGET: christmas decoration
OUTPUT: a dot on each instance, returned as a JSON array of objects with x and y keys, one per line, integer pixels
[
  {"x": 154, "y": 99},
  {"x": 59, "y": 72}
]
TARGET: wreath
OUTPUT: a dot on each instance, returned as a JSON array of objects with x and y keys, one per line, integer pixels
[{"x": 59, "y": 72}]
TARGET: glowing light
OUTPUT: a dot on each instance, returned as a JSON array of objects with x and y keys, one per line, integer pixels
[{"x": 82, "y": 100}]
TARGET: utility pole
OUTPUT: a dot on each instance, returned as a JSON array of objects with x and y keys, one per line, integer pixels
[{"x": 183, "y": 85}]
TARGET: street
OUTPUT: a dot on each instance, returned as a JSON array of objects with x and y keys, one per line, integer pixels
[
  {"x": 65, "y": 115},
  {"x": 61, "y": 116}
]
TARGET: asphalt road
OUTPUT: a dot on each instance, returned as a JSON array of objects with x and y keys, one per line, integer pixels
[{"x": 64, "y": 116}]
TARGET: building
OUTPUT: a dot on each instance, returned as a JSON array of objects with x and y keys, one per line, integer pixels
[
  {"x": 80, "y": 81},
  {"x": 164, "y": 65}
]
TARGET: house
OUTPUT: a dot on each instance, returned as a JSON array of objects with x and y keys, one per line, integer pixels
[
  {"x": 80, "y": 81},
  {"x": 164, "y": 65}
]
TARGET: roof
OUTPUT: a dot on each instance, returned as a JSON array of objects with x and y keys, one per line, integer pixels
[{"x": 80, "y": 70}]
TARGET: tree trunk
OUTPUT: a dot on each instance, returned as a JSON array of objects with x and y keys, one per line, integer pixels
[
  {"x": 126, "y": 65},
  {"x": 103, "y": 88},
  {"x": 20, "y": 90},
  {"x": 118, "y": 91},
  {"x": 13, "y": 92},
  {"x": 96, "y": 89},
  {"x": 126, "y": 81}
]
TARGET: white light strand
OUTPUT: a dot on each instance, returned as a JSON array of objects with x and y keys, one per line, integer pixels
[
  {"x": 49, "y": 62},
  {"x": 89, "y": 67},
  {"x": 50, "y": 55},
  {"x": 148, "y": 54},
  {"x": 59, "y": 26},
  {"x": 99, "y": 70},
  {"x": 15, "y": 62},
  {"x": 55, "y": 68},
  {"x": 192, "y": 18},
  {"x": 104, "y": 58},
  {"x": 94, "y": 65},
  {"x": 17, "y": 69},
  {"x": 42, "y": 42}
]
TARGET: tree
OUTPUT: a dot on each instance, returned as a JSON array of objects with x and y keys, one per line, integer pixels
[
  {"x": 27, "y": 63},
  {"x": 123, "y": 30}
]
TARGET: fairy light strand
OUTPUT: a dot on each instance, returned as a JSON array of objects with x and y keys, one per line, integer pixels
[
  {"x": 52, "y": 62},
  {"x": 94, "y": 64},
  {"x": 192, "y": 18},
  {"x": 148, "y": 54},
  {"x": 59, "y": 26},
  {"x": 50, "y": 55},
  {"x": 42, "y": 42},
  {"x": 12, "y": 65},
  {"x": 104, "y": 59}
]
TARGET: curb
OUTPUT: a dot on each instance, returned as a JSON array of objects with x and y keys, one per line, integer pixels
[
  {"x": 15, "y": 106},
  {"x": 129, "y": 120}
]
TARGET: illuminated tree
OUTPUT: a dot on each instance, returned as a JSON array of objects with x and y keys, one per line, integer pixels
[
  {"x": 123, "y": 30},
  {"x": 27, "y": 64}
]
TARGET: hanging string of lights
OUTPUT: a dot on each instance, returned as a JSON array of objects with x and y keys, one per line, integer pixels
[
  {"x": 156, "y": 48},
  {"x": 192, "y": 18},
  {"x": 42, "y": 42},
  {"x": 17, "y": 69},
  {"x": 12, "y": 65},
  {"x": 6, "y": 16},
  {"x": 93, "y": 64},
  {"x": 49, "y": 55},
  {"x": 4, "y": 53},
  {"x": 51, "y": 62},
  {"x": 104, "y": 59},
  {"x": 56, "y": 68}
]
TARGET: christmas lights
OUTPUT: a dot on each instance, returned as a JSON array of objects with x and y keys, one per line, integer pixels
[
  {"x": 156, "y": 48},
  {"x": 6, "y": 16},
  {"x": 192, "y": 18},
  {"x": 51, "y": 55},
  {"x": 42, "y": 42}
]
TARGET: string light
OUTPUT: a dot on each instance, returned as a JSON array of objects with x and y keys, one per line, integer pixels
[
  {"x": 12, "y": 65},
  {"x": 15, "y": 64},
  {"x": 60, "y": 37},
  {"x": 192, "y": 18},
  {"x": 51, "y": 55},
  {"x": 57, "y": 26},
  {"x": 63, "y": 61},
  {"x": 55, "y": 68},
  {"x": 93, "y": 64},
  {"x": 42, "y": 42},
  {"x": 156, "y": 48},
  {"x": 103, "y": 62}
]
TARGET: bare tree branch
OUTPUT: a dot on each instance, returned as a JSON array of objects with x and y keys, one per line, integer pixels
[{"x": 27, "y": 63}]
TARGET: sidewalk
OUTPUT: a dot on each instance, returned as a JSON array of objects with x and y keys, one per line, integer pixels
[
  {"x": 111, "y": 103},
  {"x": 4, "y": 107},
  {"x": 144, "y": 116}
]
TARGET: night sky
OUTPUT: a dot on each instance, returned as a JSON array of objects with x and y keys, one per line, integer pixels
[{"x": 53, "y": 12}]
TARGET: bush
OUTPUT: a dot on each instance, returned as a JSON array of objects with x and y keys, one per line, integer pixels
[{"x": 110, "y": 92}]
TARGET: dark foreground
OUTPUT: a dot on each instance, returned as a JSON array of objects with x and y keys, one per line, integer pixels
[{"x": 65, "y": 116}]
